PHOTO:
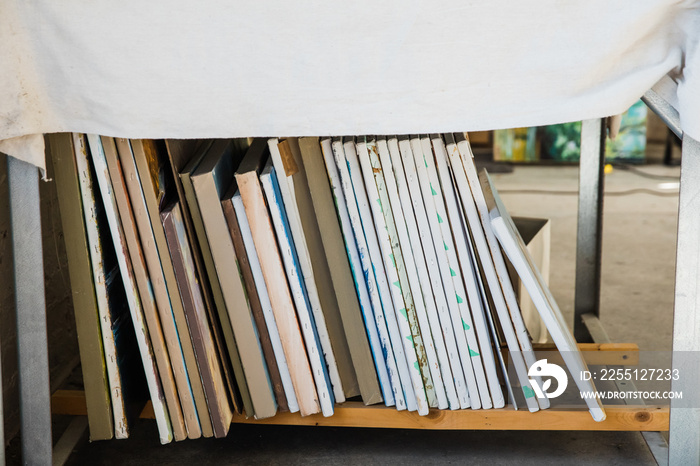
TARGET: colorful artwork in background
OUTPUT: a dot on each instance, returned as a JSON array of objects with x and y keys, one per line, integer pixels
[
  {"x": 516, "y": 145},
  {"x": 630, "y": 143},
  {"x": 562, "y": 142}
]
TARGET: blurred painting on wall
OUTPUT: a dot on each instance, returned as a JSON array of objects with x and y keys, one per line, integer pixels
[{"x": 562, "y": 142}]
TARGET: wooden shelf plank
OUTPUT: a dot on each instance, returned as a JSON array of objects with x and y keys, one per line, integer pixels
[
  {"x": 69, "y": 402},
  {"x": 597, "y": 354},
  {"x": 622, "y": 418},
  {"x": 355, "y": 414}
]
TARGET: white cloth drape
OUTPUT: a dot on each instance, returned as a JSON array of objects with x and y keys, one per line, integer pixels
[{"x": 252, "y": 68}]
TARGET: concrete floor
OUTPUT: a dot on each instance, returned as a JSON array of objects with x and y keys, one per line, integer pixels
[
  {"x": 283, "y": 445},
  {"x": 637, "y": 298},
  {"x": 639, "y": 241}
]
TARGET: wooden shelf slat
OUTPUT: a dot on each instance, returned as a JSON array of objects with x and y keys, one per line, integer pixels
[
  {"x": 595, "y": 354},
  {"x": 69, "y": 402},
  {"x": 355, "y": 414}
]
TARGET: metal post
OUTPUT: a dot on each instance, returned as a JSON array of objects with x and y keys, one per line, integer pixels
[
  {"x": 30, "y": 305},
  {"x": 590, "y": 225},
  {"x": 684, "y": 435}
]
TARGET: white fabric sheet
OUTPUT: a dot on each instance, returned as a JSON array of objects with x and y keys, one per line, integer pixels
[{"x": 274, "y": 68}]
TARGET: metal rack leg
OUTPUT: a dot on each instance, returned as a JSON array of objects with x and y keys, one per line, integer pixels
[
  {"x": 590, "y": 225},
  {"x": 684, "y": 435},
  {"x": 35, "y": 399}
]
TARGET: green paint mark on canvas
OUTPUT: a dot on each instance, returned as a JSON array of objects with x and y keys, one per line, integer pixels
[
  {"x": 459, "y": 299},
  {"x": 473, "y": 353},
  {"x": 425, "y": 161},
  {"x": 452, "y": 272},
  {"x": 410, "y": 338},
  {"x": 415, "y": 364},
  {"x": 380, "y": 205},
  {"x": 464, "y": 324},
  {"x": 445, "y": 244},
  {"x": 529, "y": 393},
  {"x": 403, "y": 312},
  {"x": 433, "y": 189},
  {"x": 397, "y": 284},
  {"x": 439, "y": 218},
  {"x": 393, "y": 261}
]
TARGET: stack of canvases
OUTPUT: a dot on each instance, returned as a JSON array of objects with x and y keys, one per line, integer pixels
[{"x": 290, "y": 275}]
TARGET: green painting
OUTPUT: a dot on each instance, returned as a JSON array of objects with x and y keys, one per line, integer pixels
[{"x": 562, "y": 142}]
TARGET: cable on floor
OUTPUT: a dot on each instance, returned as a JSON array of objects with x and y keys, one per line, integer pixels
[
  {"x": 627, "y": 192},
  {"x": 642, "y": 173}
]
